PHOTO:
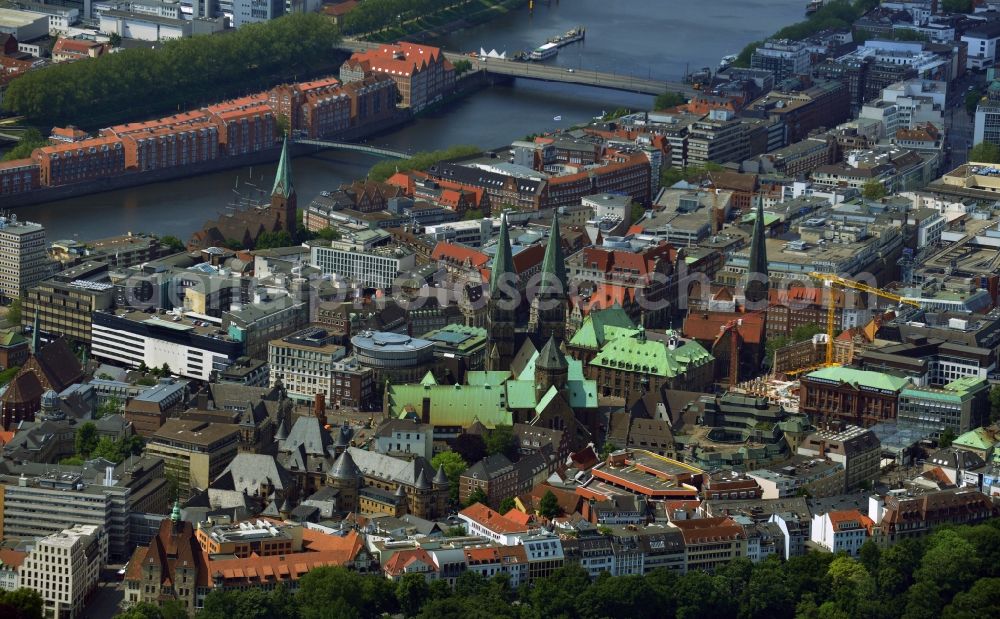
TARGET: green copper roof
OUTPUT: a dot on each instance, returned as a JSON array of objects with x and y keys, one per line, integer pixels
[
  {"x": 769, "y": 218},
  {"x": 452, "y": 405},
  {"x": 10, "y": 338},
  {"x": 553, "y": 278},
  {"x": 975, "y": 439},
  {"x": 602, "y": 326},
  {"x": 861, "y": 378},
  {"x": 495, "y": 378},
  {"x": 956, "y": 391},
  {"x": 283, "y": 175},
  {"x": 967, "y": 384},
  {"x": 503, "y": 261},
  {"x": 636, "y": 354}
]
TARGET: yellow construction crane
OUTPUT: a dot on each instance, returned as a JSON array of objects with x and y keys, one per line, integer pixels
[{"x": 831, "y": 281}]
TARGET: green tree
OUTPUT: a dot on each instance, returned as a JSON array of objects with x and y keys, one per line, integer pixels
[
  {"x": 462, "y": 66},
  {"x": 111, "y": 406},
  {"x": 8, "y": 375},
  {"x": 411, "y": 593},
  {"x": 985, "y": 152},
  {"x": 421, "y": 161},
  {"x": 270, "y": 240},
  {"x": 25, "y": 603},
  {"x": 982, "y": 600},
  {"x": 86, "y": 439},
  {"x": 165, "y": 369},
  {"x": 669, "y": 100},
  {"x": 556, "y": 596},
  {"x": 108, "y": 449},
  {"x": 476, "y": 496},
  {"x": 471, "y": 447},
  {"x": 30, "y": 140},
  {"x": 502, "y": 440},
  {"x": 972, "y": 99},
  {"x": 172, "y": 242},
  {"x": 115, "y": 39},
  {"x": 454, "y": 466},
  {"x": 873, "y": 190},
  {"x": 456, "y": 531},
  {"x": 72, "y": 461},
  {"x": 328, "y": 592},
  {"x": 995, "y": 404},
  {"x": 506, "y": 505},
  {"x": 548, "y": 506},
  {"x": 947, "y": 437},
  {"x": 949, "y": 565},
  {"x": 607, "y": 450},
  {"x": 14, "y": 312},
  {"x": 183, "y": 73}
]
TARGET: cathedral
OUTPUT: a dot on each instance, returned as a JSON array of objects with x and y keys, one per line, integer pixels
[{"x": 529, "y": 378}]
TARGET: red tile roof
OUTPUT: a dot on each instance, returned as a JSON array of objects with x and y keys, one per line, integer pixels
[
  {"x": 404, "y": 558},
  {"x": 706, "y": 326},
  {"x": 492, "y": 520}
]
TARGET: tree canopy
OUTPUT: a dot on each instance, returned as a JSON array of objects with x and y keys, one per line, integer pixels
[
  {"x": 985, "y": 152},
  {"x": 454, "y": 466},
  {"x": 178, "y": 74},
  {"x": 954, "y": 573},
  {"x": 420, "y": 161}
]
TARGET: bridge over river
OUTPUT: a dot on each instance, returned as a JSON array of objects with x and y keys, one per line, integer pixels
[{"x": 550, "y": 73}]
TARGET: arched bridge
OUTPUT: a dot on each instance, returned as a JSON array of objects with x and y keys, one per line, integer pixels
[{"x": 361, "y": 148}]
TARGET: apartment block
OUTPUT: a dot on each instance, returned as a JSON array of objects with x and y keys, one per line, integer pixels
[
  {"x": 195, "y": 452},
  {"x": 89, "y": 159},
  {"x": 246, "y": 125},
  {"x": 64, "y": 569},
  {"x": 18, "y": 176},
  {"x": 23, "y": 260}
]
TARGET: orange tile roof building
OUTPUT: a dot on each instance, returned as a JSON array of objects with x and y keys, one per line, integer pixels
[
  {"x": 710, "y": 543},
  {"x": 185, "y": 562},
  {"x": 421, "y": 72},
  {"x": 62, "y": 164},
  {"x": 18, "y": 176},
  {"x": 246, "y": 125}
]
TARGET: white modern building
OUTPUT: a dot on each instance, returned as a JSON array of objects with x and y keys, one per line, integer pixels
[
  {"x": 191, "y": 345},
  {"x": 841, "y": 531},
  {"x": 471, "y": 233},
  {"x": 405, "y": 436},
  {"x": 377, "y": 267},
  {"x": 782, "y": 57},
  {"x": 987, "y": 126},
  {"x": 23, "y": 258},
  {"x": 144, "y": 26},
  {"x": 64, "y": 568},
  {"x": 304, "y": 362},
  {"x": 982, "y": 42}
]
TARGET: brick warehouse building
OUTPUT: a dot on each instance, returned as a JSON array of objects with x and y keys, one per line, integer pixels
[{"x": 421, "y": 72}]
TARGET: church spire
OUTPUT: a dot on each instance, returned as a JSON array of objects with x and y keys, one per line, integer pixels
[
  {"x": 283, "y": 175},
  {"x": 554, "y": 263},
  {"x": 35, "y": 334},
  {"x": 757, "y": 274},
  {"x": 503, "y": 261}
]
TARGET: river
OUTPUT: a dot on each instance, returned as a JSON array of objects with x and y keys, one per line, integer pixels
[{"x": 657, "y": 38}]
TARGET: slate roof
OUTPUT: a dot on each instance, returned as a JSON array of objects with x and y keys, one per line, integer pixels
[
  {"x": 381, "y": 466},
  {"x": 249, "y": 471}
]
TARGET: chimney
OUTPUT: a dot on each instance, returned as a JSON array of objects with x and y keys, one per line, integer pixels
[
  {"x": 319, "y": 408},
  {"x": 425, "y": 410}
]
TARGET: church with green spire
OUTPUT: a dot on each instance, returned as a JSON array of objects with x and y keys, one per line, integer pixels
[
  {"x": 545, "y": 296},
  {"x": 757, "y": 287},
  {"x": 283, "y": 198}
]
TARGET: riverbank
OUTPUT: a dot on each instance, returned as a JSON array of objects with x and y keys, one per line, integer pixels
[
  {"x": 448, "y": 21},
  {"x": 136, "y": 179}
]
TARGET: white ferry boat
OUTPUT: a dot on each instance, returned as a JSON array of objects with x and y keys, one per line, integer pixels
[{"x": 545, "y": 52}]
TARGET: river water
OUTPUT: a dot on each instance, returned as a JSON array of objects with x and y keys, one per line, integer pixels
[{"x": 657, "y": 38}]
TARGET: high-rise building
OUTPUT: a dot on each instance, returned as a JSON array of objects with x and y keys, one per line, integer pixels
[
  {"x": 64, "y": 569},
  {"x": 782, "y": 57},
  {"x": 987, "y": 128},
  {"x": 23, "y": 261}
]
